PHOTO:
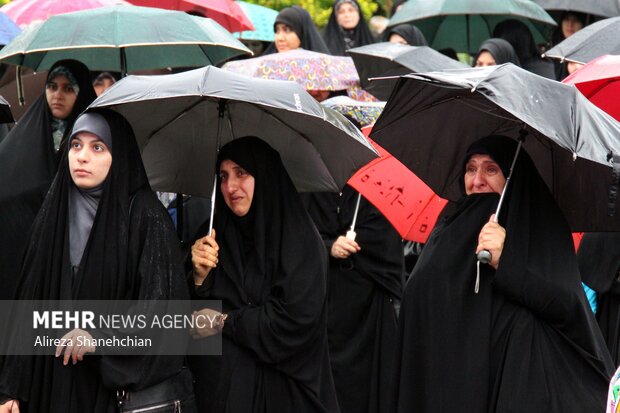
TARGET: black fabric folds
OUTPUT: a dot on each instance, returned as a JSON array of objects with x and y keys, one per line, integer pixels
[
  {"x": 271, "y": 280},
  {"x": 339, "y": 40},
  {"x": 132, "y": 253},
  {"x": 501, "y": 50},
  {"x": 28, "y": 164},
  {"x": 298, "y": 19},
  {"x": 409, "y": 32},
  {"x": 528, "y": 342},
  {"x": 362, "y": 293},
  {"x": 599, "y": 263}
]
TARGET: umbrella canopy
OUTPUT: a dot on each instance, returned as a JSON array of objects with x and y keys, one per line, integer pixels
[
  {"x": 226, "y": 12},
  {"x": 8, "y": 29},
  {"x": 25, "y": 12},
  {"x": 123, "y": 39},
  {"x": 572, "y": 142},
  {"x": 403, "y": 198},
  {"x": 604, "y": 8},
  {"x": 365, "y": 113},
  {"x": 181, "y": 120},
  {"x": 464, "y": 24},
  {"x": 597, "y": 39},
  {"x": 33, "y": 84},
  {"x": 599, "y": 81},
  {"x": 262, "y": 18},
  {"x": 395, "y": 59},
  {"x": 312, "y": 70}
]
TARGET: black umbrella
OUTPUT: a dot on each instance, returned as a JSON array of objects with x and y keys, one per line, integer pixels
[
  {"x": 597, "y": 39},
  {"x": 603, "y": 8},
  {"x": 181, "y": 120},
  {"x": 431, "y": 119},
  {"x": 5, "y": 111},
  {"x": 395, "y": 59}
]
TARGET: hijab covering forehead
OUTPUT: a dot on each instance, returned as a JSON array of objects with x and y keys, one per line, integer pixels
[
  {"x": 409, "y": 32},
  {"x": 300, "y": 21},
  {"x": 63, "y": 71},
  {"x": 93, "y": 123},
  {"x": 500, "y": 148},
  {"x": 340, "y": 40},
  {"x": 501, "y": 50}
]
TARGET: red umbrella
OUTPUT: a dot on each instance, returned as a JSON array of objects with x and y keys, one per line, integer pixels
[
  {"x": 226, "y": 12},
  {"x": 24, "y": 12},
  {"x": 403, "y": 198},
  {"x": 599, "y": 81}
]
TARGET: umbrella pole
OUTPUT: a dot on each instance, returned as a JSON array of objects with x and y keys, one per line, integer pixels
[
  {"x": 123, "y": 63},
  {"x": 220, "y": 117},
  {"x": 485, "y": 256},
  {"x": 351, "y": 232}
]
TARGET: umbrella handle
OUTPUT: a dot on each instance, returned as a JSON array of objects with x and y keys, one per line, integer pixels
[{"x": 484, "y": 256}]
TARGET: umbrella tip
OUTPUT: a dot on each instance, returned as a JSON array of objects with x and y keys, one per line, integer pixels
[{"x": 574, "y": 156}]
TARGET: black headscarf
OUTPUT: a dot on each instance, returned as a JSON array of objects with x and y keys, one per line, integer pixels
[
  {"x": 409, "y": 32},
  {"x": 521, "y": 39},
  {"x": 132, "y": 253},
  {"x": 339, "y": 40},
  {"x": 558, "y": 35},
  {"x": 300, "y": 21},
  {"x": 28, "y": 163},
  {"x": 501, "y": 50},
  {"x": 466, "y": 351},
  {"x": 271, "y": 278}
]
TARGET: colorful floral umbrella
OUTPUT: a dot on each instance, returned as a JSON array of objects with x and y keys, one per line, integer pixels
[
  {"x": 599, "y": 81},
  {"x": 226, "y": 12},
  {"x": 24, "y": 12},
  {"x": 262, "y": 18},
  {"x": 314, "y": 71},
  {"x": 366, "y": 113}
]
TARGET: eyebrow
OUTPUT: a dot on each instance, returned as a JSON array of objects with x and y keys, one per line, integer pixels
[{"x": 99, "y": 140}]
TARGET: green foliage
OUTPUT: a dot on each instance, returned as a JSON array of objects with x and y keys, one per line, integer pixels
[{"x": 318, "y": 9}]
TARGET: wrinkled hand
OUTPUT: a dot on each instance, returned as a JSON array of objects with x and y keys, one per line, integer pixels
[
  {"x": 74, "y": 347},
  {"x": 204, "y": 257},
  {"x": 491, "y": 238},
  {"x": 10, "y": 406},
  {"x": 204, "y": 322},
  {"x": 344, "y": 247}
]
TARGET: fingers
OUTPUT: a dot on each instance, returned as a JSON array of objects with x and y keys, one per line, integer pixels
[{"x": 73, "y": 348}]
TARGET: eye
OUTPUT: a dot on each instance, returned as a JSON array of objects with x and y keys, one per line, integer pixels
[
  {"x": 69, "y": 89},
  {"x": 75, "y": 145},
  {"x": 241, "y": 173},
  {"x": 492, "y": 170},
  {"x": 470, "y": 170},
  {"x": 223, "y": 176},
  {"x": 98, "y": 148},
  {"x": 51, "y": 86}
]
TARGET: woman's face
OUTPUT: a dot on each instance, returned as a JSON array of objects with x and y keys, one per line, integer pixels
[
  {"x": 347, "y": 16},
  {"x": 60, "y": 96},
  {"x": 572, "y": 67},
  {"x": 89, "y": 160},
  {"x": 397, "y": 38},
  {"x": 483, "y": 175},
  {"x": 570, "y": 25},
  {"x": 485, "y": 59},
  {"x": 237, "y": 186},
  {"x": 286, "y": 39}
]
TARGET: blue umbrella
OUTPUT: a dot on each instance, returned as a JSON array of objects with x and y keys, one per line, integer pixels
[
  {"x": 8, "y": 29},
  {"x": 262, "y": 18}
]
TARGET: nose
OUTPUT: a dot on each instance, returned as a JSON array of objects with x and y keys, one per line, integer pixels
[
  {"x": 479, "y": 179},
  {"x": 231, "y": 185},
  {"x": 82, "y": 155}
]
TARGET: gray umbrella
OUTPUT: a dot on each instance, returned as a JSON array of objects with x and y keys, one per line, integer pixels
[
  {"x": 181, "y": 120},
  {"x": 604, "y": 8},
  {"x": 597, "y": 39},
  {"x": 394, "y": 59},
  {"x": 432, "y": 118}
]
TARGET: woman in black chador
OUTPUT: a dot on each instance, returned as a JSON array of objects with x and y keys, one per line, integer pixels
[
  {"x": 365, "y": 284},
  {"x": 267, "y": 264},
  {"x": 346, "y": 28},
  {"x": 101, "y": 234},
  {"x": 599, "y": 263},
  {"x": 527, "y": 341},
  {"x": 29, "y": 160},
  {"x": 294, "y": 29}
]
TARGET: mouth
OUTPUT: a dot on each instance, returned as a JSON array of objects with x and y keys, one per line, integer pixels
[{"x": 81, "y": 172}]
